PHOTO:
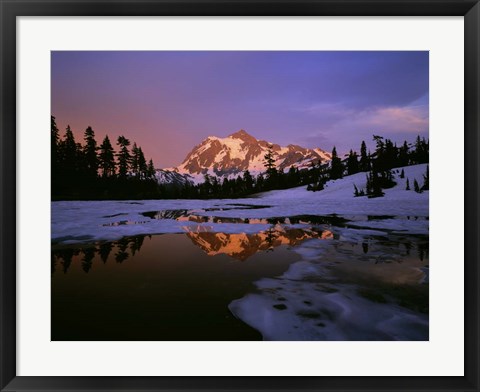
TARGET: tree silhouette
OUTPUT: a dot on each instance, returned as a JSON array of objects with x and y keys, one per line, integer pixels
[
  {"x": 150, "y": 170},
  {"x": 142, "y": 164},
  {"x": 248, "y": 181},
  {"x": 88, "y": 255},
  {"x": 416, "y": 187},
  {"x": 269, "y": 163},
  {"x": 364, "y": 164},
  {"x": 373, "y": 186},
  {"x": 90, "y": 153},
  {"x": 104, "y": 251},
  {"x": 336, "y": 169},
  {"x": 66, "y": 256},
  {"x": 122, "y": 253},
  {"x": 69, "y": 154},
  {"x": 106, "y": 158},
  {"x": 123, "y": 157},
  {"x": 135, "y": 160},
  {"x": 425, "y": 185},
  {"x": 136, "y": 244},
  {"x": 55, "y": 154},
  {"x": 352, "y": 163},
  {"x": 403, "y": 157}
]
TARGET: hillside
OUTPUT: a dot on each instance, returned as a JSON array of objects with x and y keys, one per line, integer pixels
[
  {"x": 342, "y": 189},
  {"x": 338, "y": 197}
]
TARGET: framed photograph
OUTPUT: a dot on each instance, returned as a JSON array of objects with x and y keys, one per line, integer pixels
[{"x": 239, "y": 196}]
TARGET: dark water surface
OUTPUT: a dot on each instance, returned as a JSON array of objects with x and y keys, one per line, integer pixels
[{"x": 163, "y": 287}]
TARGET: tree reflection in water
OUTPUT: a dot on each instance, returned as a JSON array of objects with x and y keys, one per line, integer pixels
[{"x": 123, "y": 248}]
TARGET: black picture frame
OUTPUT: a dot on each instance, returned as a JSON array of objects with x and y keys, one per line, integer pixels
[{"x": 10, "y": 9}]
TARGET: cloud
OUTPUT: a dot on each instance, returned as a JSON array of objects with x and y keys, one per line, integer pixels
[
  {"x": 398, "y": 119},
  {"x": 345, "y": 126},
  {"x": 390, "y": 119}
]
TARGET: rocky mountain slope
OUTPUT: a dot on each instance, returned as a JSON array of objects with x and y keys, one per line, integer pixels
[{"x": 238, "y": 152}]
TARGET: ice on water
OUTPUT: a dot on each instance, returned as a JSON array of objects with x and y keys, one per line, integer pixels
[{"x": 310, "y": 302}]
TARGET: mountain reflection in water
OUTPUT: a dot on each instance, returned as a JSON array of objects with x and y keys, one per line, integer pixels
[
  {"x": 191, "y": 286},
  {"x": 241, "y": 246}
]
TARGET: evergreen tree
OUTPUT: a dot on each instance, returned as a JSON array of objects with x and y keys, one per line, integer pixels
[
  {"x": 293, "y": 177},
  {"x": 380, "y": 144},
  {"x": 416, "y": 187},
  {"x": 281, "y": 179},
  {"x": 134, "y": 163},
  {"x": 364, "y": 164},
  {"x": 269, "y": 162},
  {"x": 402, "y": 174},
  {"x": 390, "y": 155},
  {"x": 123, "y": 156},
  {"x": 69, "y": 165},
  {"x": 70, "y": 160},
  {"x": 271, "y": 181},
  {"x": 142, "y": 164},
  {"x": 373, "y": 186},
  {"x": 69, "y": 152},
  {"x": 239, "y": 185},
  {"x": 54, "y": 139},
  {"x": 407, "y": 188},
  {"x": 75, "y": 168},
  {"x": 425, "y": 185},
  {"x": 403, "y": 159},
  {"x": 421, "y": 150},
  {"x": 106, "y": 158},
  {"x": 226, "y": 187},
  {"x": 352, "y": 163},
  {"x": 206, "y": 187},
  {"x": 216, "y": 187},
  {"x": 54, "y": 154},
  {"x": 90, "y": 153},
  {"x": 378, "y": 164},
  {"x": 336, "y": 168},
  {"x": 248, "y": 180},
  {"x": 260, "y": 183},
  {"x": 150, "y": 169}
]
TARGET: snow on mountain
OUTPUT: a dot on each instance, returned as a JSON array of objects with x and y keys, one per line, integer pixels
[
  {"x": 170, "y": 176},
  {"x": 240, "y": 151}
]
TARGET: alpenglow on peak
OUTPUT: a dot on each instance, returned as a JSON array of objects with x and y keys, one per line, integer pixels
[
  {"x": 240, "y": 151},
  {"x": 243, "y": 135}
]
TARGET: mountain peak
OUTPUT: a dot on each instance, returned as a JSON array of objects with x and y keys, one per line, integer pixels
[
  {"x": 240, "y": 151},
  {"x": 243, "y": 135}
]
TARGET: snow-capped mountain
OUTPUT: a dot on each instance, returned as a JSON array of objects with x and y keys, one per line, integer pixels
[
  {"x": 171, "y": 176},
  {"x": 240, "y": 151}
]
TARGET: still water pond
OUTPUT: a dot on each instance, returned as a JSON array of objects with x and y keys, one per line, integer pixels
[{"x": 203, "y": 285}]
